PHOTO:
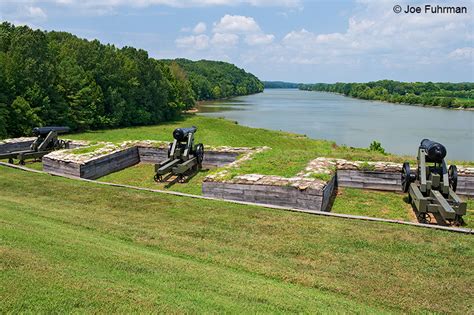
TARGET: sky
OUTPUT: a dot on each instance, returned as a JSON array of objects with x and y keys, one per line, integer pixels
[{"x": 289, "y": 40}]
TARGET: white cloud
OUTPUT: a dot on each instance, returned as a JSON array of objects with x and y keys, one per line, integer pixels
[
  {"x": 180, "y": 3},
  {"x": 35, "y": 12},
  {"x": 466, "y": 53},
  {"x": 200, "y": 28},
  {"x": 259, "y": 39},
  {"x": 376, "y": 34},
  {"x": 198, "y": 42},
  {"x": 236, "y": 24},
  {"x": 225, "y": 40}
]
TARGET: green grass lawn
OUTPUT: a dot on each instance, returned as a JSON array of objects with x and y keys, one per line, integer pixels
[
  {"x": 379, "y": 204},
  {"x": 289, "y": 154},
  {"x": 71, "y": 246},
  {"x": 33, "y": 164},
  {"x": 141, "y": 175}
]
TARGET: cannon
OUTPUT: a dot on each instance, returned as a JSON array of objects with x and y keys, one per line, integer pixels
[
  {"x": 45, "y": 142},
  {"x": 183, "y": 156},
  {"x": 432, "y": 186}
]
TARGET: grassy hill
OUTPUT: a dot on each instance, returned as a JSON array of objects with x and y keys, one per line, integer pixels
[
  {"x": 289, "y": 154},
  {"x": 72, "y": 246}
]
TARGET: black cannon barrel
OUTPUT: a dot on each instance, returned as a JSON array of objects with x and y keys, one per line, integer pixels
[
  {"x": 435, "y": 151},
  {"x": 43, "y": 131},
  {"x": 181, "y": 134}
]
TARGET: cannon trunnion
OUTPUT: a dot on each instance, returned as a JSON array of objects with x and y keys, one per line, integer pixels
[
  {"x": 432, "y": 186},
  {"x": 183, "y": 156},
  {"x": 45, "y": 142}
]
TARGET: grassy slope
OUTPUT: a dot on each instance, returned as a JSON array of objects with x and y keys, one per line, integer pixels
[
  {"x": 382, "y": 204},
  {"x": 290, "y": 152},
  {"x": 74, "y": 246},
  {"x": 141, "y": 175},
  {"x": 372, "y": 203}
]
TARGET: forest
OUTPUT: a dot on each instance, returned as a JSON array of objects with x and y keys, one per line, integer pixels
[
  {"x": 280, "y": 85},
  {"x": 216, "y": 79},
  {"x": 56, "y": 78},
  {"x": 442, "y": 94}
]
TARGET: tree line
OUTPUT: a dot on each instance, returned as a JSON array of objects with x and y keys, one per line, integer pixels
[
  {"x": 280, "y": 85},
  {"x": 443, "y": 94},
  {"x": 217, "y": 79},
  {"x": 56, "y": 78}
]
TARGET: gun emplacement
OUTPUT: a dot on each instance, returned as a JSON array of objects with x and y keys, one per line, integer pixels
[
  {"x": 432, "y": 187},
  {"x": 180, "y": 134},
  {"x": 43, "y": 131},
  {"x": 435, "y": 151},
  {"x": 45, "y": 142},
  {"x": 183, "y": 155}
]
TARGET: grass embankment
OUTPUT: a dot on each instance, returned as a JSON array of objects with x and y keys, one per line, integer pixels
[
  {"x": 289, "y": 154},
  {"x": 73, "y": 246},
  {"x": 141, "y": 175},
  {"x": 386, "y": 205}
]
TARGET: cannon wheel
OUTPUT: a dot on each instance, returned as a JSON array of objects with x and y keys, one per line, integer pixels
[
  {"x": 406, "y": 176},
  {"x": 458, "y": 220},
  {"x": 169, "y": 149},
  {"x": 200, "y": 153},
  {"x": 453, "y": 177},
  {"x": 424, "y": 218},
  {"x": 63, "y": 144},
  {"x": 10, "y": 160}
]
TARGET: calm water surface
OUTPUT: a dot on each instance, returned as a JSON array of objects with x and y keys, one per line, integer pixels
[{"x": 353, "y": 122}]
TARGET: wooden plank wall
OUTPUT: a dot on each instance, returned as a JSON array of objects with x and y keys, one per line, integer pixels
[
  {"x": 285, "y": 196},
  {"x": 391, "y": 181},
  {"x": 15, "y": 146}
]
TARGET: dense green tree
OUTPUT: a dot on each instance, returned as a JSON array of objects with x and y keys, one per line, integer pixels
[
  {"x": 217, "y": 79},
  {"x": 51, "y": 78},
  {"x": 22, "y": 117}
]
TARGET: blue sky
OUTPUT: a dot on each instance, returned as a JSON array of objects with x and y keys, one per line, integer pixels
[{"x": 291, "y": 40}]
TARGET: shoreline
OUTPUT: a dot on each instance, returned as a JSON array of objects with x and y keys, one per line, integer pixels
[{"x": 387, "y": 102}]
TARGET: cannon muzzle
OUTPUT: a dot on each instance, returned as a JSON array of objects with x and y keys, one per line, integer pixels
[
  {"x": 43, "y": 131},
  {"x": 180, "y": 134},
  {"x": 435, "y": 151}
]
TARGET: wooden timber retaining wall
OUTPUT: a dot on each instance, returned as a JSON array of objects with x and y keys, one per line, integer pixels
[
  {"x": 211, "y": 158},
  {"x": 390, "y": 181},
  {"x": 22, "y": 144},
  {"x": 18, "y": 144},
  {"x": 94, "y": 168},
  {"x": 369, "y": 180},
  {"x": 284, "y": 196},
  {"x": 119, "y": 160}
]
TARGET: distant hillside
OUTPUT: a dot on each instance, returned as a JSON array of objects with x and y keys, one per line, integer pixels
[
  {"x": 280, "y": 85},
  {"x": 217, "y": 79},
  {"x": 442, "y": 94},
  {"x": 56, "y": 78}
]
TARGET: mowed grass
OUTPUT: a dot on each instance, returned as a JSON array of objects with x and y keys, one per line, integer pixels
[
  {"x": 371, "y": 203},
  {"x": 33, "y": 164},
  {"x": 71, "y": 246},
  {"x": 289, "y": 154},
  {"x": 141, "y": 175},
  {"x": 386, "y": 205}
]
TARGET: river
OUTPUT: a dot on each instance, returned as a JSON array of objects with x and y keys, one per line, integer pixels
[{"x": 352, "y": 122}]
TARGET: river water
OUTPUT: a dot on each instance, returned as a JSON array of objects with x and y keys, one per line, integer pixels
[{"x": 353, "y": 122}]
